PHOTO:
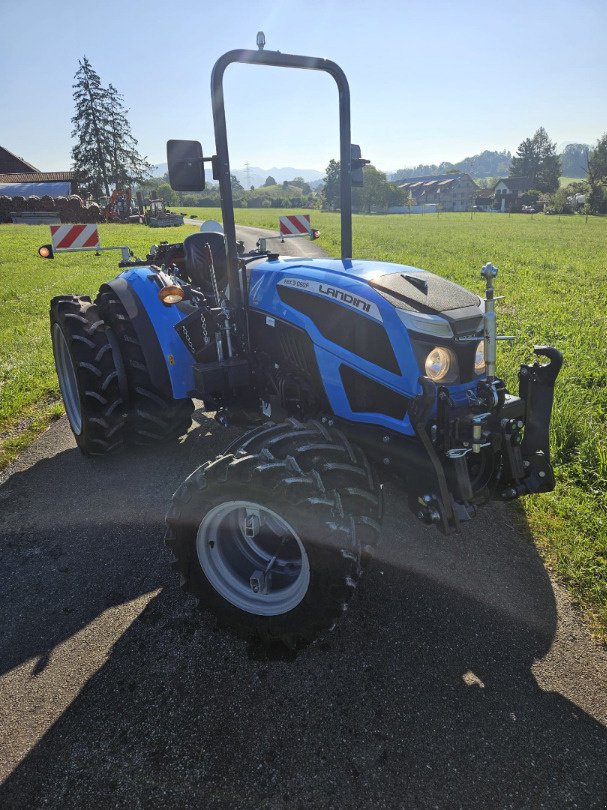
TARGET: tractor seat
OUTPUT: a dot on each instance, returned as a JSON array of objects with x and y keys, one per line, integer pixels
[{"x": 197, "y": 265}]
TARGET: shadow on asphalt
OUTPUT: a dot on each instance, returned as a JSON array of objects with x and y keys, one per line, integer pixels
[{"x": 422, "y": 697}]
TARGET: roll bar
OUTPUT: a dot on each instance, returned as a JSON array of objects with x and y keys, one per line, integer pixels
[{"x": 277, "y": 59}]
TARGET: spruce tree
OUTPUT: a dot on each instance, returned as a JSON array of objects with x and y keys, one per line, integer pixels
[
  {"x": 106, "y": 152},
  {"x": 127, "y": 165},
  {"x": 91, "y": 152},
  {"x": 536, "y": 158}
]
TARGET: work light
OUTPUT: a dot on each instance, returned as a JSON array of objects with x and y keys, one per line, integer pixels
[{"x": 171, "y": 294}]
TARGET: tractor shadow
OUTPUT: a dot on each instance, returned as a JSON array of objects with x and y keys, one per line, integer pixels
[
  {"x": 422, "y": 697},
  {"x": 79, "y": 535}
]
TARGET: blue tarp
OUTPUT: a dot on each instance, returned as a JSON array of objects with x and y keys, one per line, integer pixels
[{"x": 34, "y": 189}]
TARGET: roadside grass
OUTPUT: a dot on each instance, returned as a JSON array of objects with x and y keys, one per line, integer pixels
[
  {"x": 553, "y": 276},
  {"x": 29, "y": 393}
]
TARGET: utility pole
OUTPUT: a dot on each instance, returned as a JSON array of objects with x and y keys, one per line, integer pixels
[{"x": 247, "y": 167}]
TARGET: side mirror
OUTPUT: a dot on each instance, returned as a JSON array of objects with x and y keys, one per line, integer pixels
[
  {"x": 357, "y": 162},
  {"x": 186, "y": 165}
]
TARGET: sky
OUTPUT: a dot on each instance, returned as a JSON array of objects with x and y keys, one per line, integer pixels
[{"x": 430, "y": 80}]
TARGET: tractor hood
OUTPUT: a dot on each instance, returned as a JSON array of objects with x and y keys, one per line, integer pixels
[{"x": 405, "y": 287}]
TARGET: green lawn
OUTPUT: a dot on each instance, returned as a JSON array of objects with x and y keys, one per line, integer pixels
[
  {"x": 29, "y": 395},
  {"x": 552, "y": 272}
]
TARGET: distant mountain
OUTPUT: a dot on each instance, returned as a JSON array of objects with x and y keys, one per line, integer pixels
[
  {"x": 485, "y": 164},
  {"x": 256, "y": 176},
  {"x": 160, "y": 170}
]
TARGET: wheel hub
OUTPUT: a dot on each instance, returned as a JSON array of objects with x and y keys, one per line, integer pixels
[{"x": 253, "y": 558}]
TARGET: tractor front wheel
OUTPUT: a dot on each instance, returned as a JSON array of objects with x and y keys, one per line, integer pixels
[
  {"x": 88, "y": 376},
  {"x": 272, "y": 536}
]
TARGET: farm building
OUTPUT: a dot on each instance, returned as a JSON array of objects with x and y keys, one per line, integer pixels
[
  {"x": 453, "y": 192},
  {"x": 20, "y": 178},
  {"x": 508, "y": 190},
  {"x": 484, "y": 199}
]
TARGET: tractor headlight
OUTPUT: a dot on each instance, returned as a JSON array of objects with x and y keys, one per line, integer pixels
[
  {"x": 441, "y": 365},
  {"x": 479, "y": 358}
]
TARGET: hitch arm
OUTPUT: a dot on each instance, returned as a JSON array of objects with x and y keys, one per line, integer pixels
[
  {"x": 419, "y": 412},
  {"x": 536, "y": 388}
]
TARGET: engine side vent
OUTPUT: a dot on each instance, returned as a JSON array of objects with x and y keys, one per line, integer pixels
[
  {"x": 367, "y": 396},
  {"x": 345, "y": 327},
  {"x": 296, "y": 348}
]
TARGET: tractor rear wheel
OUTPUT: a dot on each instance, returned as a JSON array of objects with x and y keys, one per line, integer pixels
[
  {"x": 88, "y": 376},
  {"x": 273, "y": 535},
  {"x": 152, "y": 417}
]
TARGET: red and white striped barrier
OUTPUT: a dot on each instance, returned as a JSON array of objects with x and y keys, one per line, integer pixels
[
  {"x": 74, "y": 237},
  {"x": 291, "y": 226},
  {"x": 295, "y": 225},
  {"x": 71, "y": 238}
]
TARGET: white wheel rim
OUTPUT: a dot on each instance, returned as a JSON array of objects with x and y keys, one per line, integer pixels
[
  {"x": 234, "y": 561},
  {"x": 68, "y": 382}
]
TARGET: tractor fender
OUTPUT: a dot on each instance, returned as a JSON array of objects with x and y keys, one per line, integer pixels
[{"x": 169, "y": 363}]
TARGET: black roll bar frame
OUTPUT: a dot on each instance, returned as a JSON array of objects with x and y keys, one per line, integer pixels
[{"x": 277, "y": 59}]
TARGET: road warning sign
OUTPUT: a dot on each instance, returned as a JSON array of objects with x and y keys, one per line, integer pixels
[
  {"x": 74, "y": 237},
  {"x": 295, "y": 225}
]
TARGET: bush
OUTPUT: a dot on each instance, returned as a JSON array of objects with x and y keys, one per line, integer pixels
[{"x": 531, "y": 197}]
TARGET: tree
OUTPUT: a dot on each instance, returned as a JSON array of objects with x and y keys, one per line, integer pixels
[
  {"x": 270, "y": 181},
  {"x": 301, "y": 183},
  {"x": 536, "y": 158},
  {"x": 574, "y": 159},
  {"x": 236, "y": 184},
  {"x": 106, "y": 151},
  {"x": 91, "y": 152},
  {"x": 376, "y": 192},
  {"x": 597, "y": 177},
  {"x": 531, "y": 197},
  {"x": 330, "y": 191},
  {"x": 560, "y": 202},
  {"x": 128, "y": 167}
]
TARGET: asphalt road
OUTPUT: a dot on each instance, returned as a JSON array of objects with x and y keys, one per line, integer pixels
[{"x": 460, "y": 676}]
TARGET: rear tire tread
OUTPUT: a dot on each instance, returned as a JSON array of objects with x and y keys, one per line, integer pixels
[
  {"x": 171, "y": 418},
  {"x": 101, "y": 405}
]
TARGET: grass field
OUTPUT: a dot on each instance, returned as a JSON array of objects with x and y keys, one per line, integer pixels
[
  {"x": 564, "y": 181},
  {"x": 552, "y": 272},
  {"x": 29, "y": 394}
]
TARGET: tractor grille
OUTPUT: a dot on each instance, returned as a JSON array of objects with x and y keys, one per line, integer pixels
[
  {"x": 367, "y": 396},
  {"x": 344, "y": 327}
]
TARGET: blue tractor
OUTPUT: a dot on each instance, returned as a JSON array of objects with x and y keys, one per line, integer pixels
[{"x": 345, "y": 372}]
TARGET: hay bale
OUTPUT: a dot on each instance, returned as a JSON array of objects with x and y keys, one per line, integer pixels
[
  {"x": 93, "y": 213},
  {"x": 18, "y": 204},
  {"x": 47, "y": 203},
  {"x": 6, "y": 206}
]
